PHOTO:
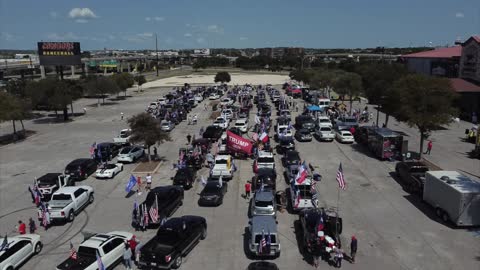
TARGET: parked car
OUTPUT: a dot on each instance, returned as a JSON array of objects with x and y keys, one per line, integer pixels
[
  {"x": 260, "y": 228},
  {"x": 291, "y": 172},
  {"x": 305, "y": 121},
  {"x": 263, "y": 203},
  {"x": 264, "y": 160},
  {"x": 109, "y": 247},
  {"x": 213, "y": 193},
  {"x": 80, "y": 169},
  {"x": 262, "y": 265},
  {"x": 108, "y": 170},
  {"x": 222, "y": 167},
  {"x": 303, "y": 135},
  {"x": 325, "y": 133},
  {"x": 168, "y": 199},
  {"x": 173, "y": 241},
  {"x": 20, "y": 249},
  {"x": 167, "y": 126},
  {"x": 242, "y": 125},
  {"x": 221, "y": 122},
  {"x": 185, "y": 177},
  {"x": 51, "y": 182},
  {"x": 213, "y": 96},
  {"x": 346, "y": 121},
  {"x": 310, "y": 219},
  {"x": 226, "y": 102},
  {"x": 344, "y": 136},
  {"x": 68, "y": 202},
  {"x": 130, "y": 153},
  {"x": 324, "y": 121},
  {"x": 412, "y": 174},
  {"x": 106, "y": 151},
  {"x": 213, "y": 133},
  {"x": 286, "y": 143},
  {"x": 227, "y": 114},
  {"x": 266, "y": 177},
  {"x": 291, "y": 157},
  {"x": 124, "y": 137}
]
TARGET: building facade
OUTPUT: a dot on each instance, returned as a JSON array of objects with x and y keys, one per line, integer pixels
[{"x": 470, "y": 60}]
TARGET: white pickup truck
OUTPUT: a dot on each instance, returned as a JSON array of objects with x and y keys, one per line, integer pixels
[
  {"x": 222, "y": 167},
  {"x": 301, "y": 195},
  {"x": 109, "y": 247},
  {"x": 123, "y": 137},
  {"x": 68, "y": 202}
]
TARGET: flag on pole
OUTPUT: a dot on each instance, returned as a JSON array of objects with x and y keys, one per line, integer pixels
[
  {"x": 341, "y": 178},
  {"x": 164, "y": 220},
  {"x": 297, "y": 201},
  {"x": 131, "y": 183},
  {"x": 302, "y": 174},
  {"x": 264, "y": 137},
  {"x": 92, "y": 148},
  {"x": 220, "y": 181},
  {"x": 263, "y": 243},
  {"x": 269, "y": 239},
  {"x": 257, "y": 119},
  {"x": 73, "y": 252},
  {"x": 5, "y": 244},
  {"x": 100, "y": 264},
  {"x": 255, "y": 136},
  {"x": 154, "y": 211},
  {"x": 145, "y": 213}
]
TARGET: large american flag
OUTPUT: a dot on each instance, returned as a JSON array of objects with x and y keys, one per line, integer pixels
[
  {"x": 263, "y": 243},
  {"x": 341, "y": 178},
  {"x": 73, "y": 252},
  {"x": 154, "y": 211}
]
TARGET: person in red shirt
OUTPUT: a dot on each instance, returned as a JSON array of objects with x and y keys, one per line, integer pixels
[
  {"x": 22, "y": 228},
  {"x": 248, "y": 188},
  {"x": 429, "y": 147},
  {"x": 352, "y": 130}
]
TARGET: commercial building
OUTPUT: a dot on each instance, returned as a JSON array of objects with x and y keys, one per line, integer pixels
[
  {"x": 470, "y": 60},
  {"x": 443, "y": 62}
]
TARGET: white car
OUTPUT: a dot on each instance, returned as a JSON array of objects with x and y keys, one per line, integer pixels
[
  {"x": 221, "y": 122},
  {"x": 162, "y": 101},
  {"x": 242, "y": 125},
  {"x": 226, "y": 102},
  {"x": 154, "y": 105},
  {"x": 325, "y": 133},
  {"x": 67, "y": 202},
  {"x": 227, "y": 114},
  {"x": 324, "y": 121},
  {"x": 109, "y": 170},
  {"x": 123, "y": 137},
  {"x": 18, "y": 250},
  {"x": 344, "y": 136},
  {"x": 130, "y": 153},
  {"x": 109, "y": 247},
  {"x": 198, "y": 98},
  {"x": 214, "y": 96}
]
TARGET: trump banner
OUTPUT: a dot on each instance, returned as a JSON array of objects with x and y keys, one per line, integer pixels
[{"x": 238, "y": 143}]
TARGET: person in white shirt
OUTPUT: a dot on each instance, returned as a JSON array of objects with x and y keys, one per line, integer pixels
[{"x": 149, "y": 182}]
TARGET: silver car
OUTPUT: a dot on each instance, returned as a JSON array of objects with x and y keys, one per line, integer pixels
[
  {"x": 130, "y": 153},
  {"x": 263, "y": 203},
  {"x": 167, "y": 126}
]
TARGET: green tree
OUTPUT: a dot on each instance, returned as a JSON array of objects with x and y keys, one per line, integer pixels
[
  {"x": 222, "y": 76},
  {"x": 140, "y": 79},
  {"x": 147, "y": 130},
  {"x": 101, "y": 87},
  {"x": 350, "y": 84},
  {"x": 198, "y": 65},
  {"x": 301, "y": 76},
  {"x": 424, "y": 103},
  {"x": 16, "y": 88},
  {"x": 13, "y": 109},
  {"x": 123, "y": 81}
]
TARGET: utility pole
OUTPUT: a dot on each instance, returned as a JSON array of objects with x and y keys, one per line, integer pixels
[{"x": 156, "y": 52}]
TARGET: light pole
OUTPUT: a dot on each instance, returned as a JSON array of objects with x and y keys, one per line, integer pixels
[{"x": 156, "y": 52}]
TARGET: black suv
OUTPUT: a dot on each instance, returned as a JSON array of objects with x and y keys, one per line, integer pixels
[
  {"x": 185, "y": 177},
  {"x": 213, "y": 133},
  {"x": 265, "y": 176},
  {"x": 106, "y": 151},
  {"x": 291, "y": 158},
  {"x": 168, "y": 198},
  {"x": 174, "y": 239},
  {"x": 306, "y": 122},
  {"x": 81, "y": 168}
]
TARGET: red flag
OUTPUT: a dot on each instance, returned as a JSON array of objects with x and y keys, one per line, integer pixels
[{"x": 238, "y": 143}]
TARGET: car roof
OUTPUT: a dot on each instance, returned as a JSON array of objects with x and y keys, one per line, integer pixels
[
  {"x": 266, "y": 172},
  {"x": 345, "y": 132},
  {"x": 79, "y": 161},
  {"x": 68, "y": 190},
  {"x": 218, "y": 157},
  {"x": 265, "y": 154},
  {"x": 264, "y": 196},
  {"x": 265, "y": 223},
  {"x": 242, "y": 121},
  {"x": 101, "y": 238}
]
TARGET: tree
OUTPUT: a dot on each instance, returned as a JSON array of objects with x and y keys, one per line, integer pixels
[
  {"x": 13, "y": 109},
  {"x": 140, "y": 79},
  {"x": 198, "y": 65},
  {"x": 16, "y": 87},
  {"x": 147, "y": 130},
  {"x": 350, "y": 84},
  {"x": 101, "y": 87},
  {"x": 123, "y": 81},
  {"x": 222, "y": 76},
  {"x": 300, "y": 76},
  {"x": 424, "y": 102}
]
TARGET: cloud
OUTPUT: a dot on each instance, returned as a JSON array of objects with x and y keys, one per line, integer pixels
[
  {"x": 243, "y": 38},
  {"x": 6, "y": 36},
  {"x": 214, "y": 29},
  {"x": 81, "y": 21},
  {"x": 62, "y": 37},
  {"x": 148, "y": 19},
  {"x": 459, "y": 15},
  {"x": 81, "y": 13},
  {"x": 200, "y": 40},
  {"x": 187, "y": 35},
  {"x": 159, "y": 19},
  {"x": 53, "y": 14}
]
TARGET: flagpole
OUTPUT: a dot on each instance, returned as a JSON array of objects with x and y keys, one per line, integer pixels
[{"x": 338, "y": 209}]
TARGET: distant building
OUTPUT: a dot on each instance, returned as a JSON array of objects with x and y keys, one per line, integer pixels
[
  {"x": 200, "y": 52},
  {"x": 266, "y": 52},
  {"x": 294, "y": 51},
  {"x": 470, "y": 60},
  {"x": 443, "y": 62}
]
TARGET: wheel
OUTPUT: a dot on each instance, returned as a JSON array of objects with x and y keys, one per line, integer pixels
[
  {"x": 121, "y": 169},
  {"x": 204, "y": 233},
  {"x": 91, "y": 198},
  {"x": 38, "y": 247},
  {"x": 112, "y": 175},
  {"x": 438, "y": 211},
  {"x": 10, "y": 268},
  {"x": 177, "y": 262},
  {"x": 445, "y": 217},
  {"x": 71, "y": 216}
]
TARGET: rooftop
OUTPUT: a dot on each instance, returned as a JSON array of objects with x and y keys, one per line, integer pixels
[
  {"x": 463, "y": 86},
  {"x": 448, "y": 52}
]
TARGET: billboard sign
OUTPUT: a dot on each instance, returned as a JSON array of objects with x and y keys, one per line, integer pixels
[
  {"x": 202, "y": 51},
  {"x": 59, "y": 53}
]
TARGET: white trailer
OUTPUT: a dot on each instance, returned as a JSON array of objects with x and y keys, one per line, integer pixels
[{"x": 454, "y": 196}]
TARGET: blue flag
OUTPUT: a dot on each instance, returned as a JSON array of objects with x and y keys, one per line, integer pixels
[
  {"x": 100, "y": 264},
  {"x": 131, "y": 183}
]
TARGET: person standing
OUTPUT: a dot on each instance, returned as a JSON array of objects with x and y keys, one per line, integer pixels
[
  {"x": 32, "y": 226},
  {"x": 127, "y": 257},
  {"x": 133, "y": 243},
  {"x": 149, "y": 182},
  {"x": 155, "y": 152},
  {"x": 353, "y": 248},
  {"x": 352, "y": 130},
  {"x": 189, "y": 138},
  {"x": 22, "y": 228},
  {"x": 338, "y": 257},
  {"x": 429, "y": 147},
  {"x": 248, "y": 188},
  {"x": 121, "y": 116},
  {"x": 139, "y": 184}
]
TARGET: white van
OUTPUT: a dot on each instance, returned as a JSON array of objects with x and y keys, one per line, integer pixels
[{"x": 323, "y": 103}]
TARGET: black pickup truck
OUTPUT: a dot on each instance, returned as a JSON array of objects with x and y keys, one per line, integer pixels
[
  {"x": 174, "y": 240},
  {"x": 412, "y": 175},
  {"x": 168, "y": 198}
]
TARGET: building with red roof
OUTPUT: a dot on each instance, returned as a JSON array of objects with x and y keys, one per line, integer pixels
[
  {"x": 442, "y": 62},
  {"x": 470, "y": 59}
]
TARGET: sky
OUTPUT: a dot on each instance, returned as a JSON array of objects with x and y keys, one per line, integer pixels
[{"x": 183, "y": 24}]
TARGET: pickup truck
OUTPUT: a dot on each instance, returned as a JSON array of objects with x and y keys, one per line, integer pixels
[
  {"x": 174, "y": 240},
  {"x": 412, "y": 174},
  {"x": 51, "y": 182},
  {"x": 301, "y": 195},
  {"x": 124, "y": 137},
  {"x": 68, "y": 202},
  {"x": 109, "y": 247},
  {"x": 222, "y": 167},
  {"x": 346, "y": 122}
]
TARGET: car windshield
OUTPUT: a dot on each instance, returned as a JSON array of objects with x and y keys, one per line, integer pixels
[
  {"x": 346, "y": 134},
  {"x": 126, "y": 150},
  {"x": 47, "y": 180},
  {"x": 108, "y": 166},
  {"x": 221, "y": 161},
  {"x": 265, "y": 160},
  {"x": 239, "y": 124},
  {"x": 84, "y": 251},
  {"x": 61, "y": 197},
  {"x": 350, "y": 120},
  {"x": 324, "y": 121},
  {"x": 263, "y": 203},
  {"x": 211, "y": 187},
  {"x": 418, "y": 170},
  {"x": 325, "y": 129}
]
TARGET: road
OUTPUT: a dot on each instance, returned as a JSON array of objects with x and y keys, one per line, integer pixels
[{"x": 395, "y": 230}]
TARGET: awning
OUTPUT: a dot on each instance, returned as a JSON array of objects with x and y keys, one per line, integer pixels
[{"x": 314, "y": 108}]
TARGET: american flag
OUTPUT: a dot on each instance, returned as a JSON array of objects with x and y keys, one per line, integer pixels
[
  {"x": 263, "y": 243},
  {"x": 154, "y": 211},
  {"x": 92, "y": 148},
  {"x": 341, "y": 178},
  {"x": 73, "y": 252},
  {"x": 145, "y": 216},
  {"x": 44, "y": 217}
]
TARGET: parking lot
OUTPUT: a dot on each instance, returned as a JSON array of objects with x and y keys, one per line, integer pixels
[{"x": 395, "y": 229}]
